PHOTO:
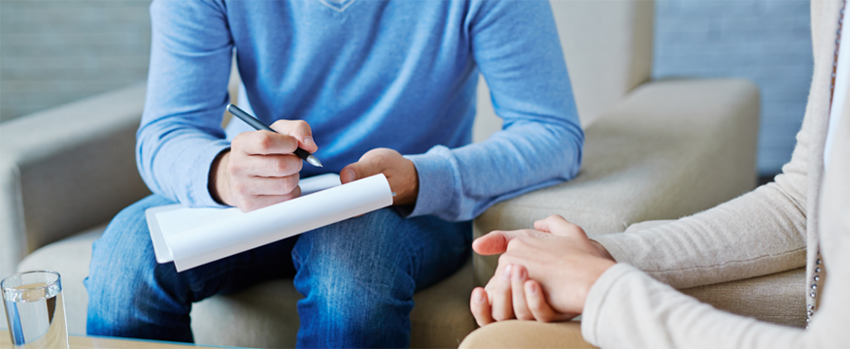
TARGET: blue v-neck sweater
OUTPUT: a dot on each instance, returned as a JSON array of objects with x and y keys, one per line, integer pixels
[{"x": 366, "y": 74}]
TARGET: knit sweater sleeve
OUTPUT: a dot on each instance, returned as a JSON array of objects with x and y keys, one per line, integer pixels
[{"x": 516, "y": 47}]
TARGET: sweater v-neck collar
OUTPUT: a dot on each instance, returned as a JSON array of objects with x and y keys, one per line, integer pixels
[{"x": 337, "y": 5}]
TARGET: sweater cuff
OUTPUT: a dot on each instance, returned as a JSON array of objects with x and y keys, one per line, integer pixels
[
  {"x": 436, "y": 181},
  {"x": 596, "y": 297},
  {"x": 199, "y": 187},
  {"x": 610, "y": 243}
]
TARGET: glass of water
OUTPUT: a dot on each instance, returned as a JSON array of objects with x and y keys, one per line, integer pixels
[{"x": 34, "y": 309}]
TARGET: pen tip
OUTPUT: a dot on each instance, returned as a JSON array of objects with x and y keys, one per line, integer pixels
[{"x": 313, "y": 161}]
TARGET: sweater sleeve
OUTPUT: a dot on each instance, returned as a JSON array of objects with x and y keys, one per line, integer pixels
[
  {"x": 516, "y": 47},
  {"x": 626, "y": 308},
  {"x": 180, "y": 133},
  {"x": 758, "y": 233}
]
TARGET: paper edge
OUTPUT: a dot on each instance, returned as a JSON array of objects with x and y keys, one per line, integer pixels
[{"x": 160, "y": 248}]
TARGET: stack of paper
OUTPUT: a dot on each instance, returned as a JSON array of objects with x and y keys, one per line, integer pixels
[{"x": 195, "y": 236}]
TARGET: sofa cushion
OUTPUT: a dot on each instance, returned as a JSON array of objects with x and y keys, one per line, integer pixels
[{"x": 264, "y": 315}]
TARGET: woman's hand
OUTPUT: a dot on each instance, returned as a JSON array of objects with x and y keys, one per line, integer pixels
[{"x": 543, "y": 274}]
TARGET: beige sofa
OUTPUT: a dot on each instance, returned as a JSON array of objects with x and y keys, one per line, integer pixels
[{"x": 655, "y": 150}]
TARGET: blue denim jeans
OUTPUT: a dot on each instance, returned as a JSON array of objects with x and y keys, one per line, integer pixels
[{"x": 357, "y": 276}]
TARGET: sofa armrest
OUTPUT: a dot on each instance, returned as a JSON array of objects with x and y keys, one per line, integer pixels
[
  {"x": 66, "y": 169},
  {"x": 669, "y": 149}
]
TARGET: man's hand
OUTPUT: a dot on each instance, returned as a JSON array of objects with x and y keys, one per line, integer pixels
[
  {"x": 543, "y": 274},
  {"x": 260, "y": 168},
  {"x": 400, "y": 172}
]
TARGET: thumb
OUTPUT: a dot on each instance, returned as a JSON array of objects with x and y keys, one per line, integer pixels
[
  {"x": 358, "y": 170},
  {"x": 497, "y": 241}
]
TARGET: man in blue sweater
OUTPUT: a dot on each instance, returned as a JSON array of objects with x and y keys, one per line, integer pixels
[{"x": 369, "y": 87}]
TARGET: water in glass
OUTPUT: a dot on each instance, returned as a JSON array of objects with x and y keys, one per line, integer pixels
[{"x": 34, "y": 310}]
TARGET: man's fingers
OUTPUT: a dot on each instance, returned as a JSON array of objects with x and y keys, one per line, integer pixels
[
  {"x": 358, "y": 170},
  {"x": 537, "y": 302},
  {"x": 480, "y": 307},
  {"x": 373, "y": 162},
  {"x": 518, "y": 277},
  {"x": 258, "y": 186},
  {"x": 298, "y": 129},
  {"x": 502, "y": 303},
  {"x": 264, "y": 143},
  {"x": 250, "y": 203},
  {"x": 278, "y": 165}
]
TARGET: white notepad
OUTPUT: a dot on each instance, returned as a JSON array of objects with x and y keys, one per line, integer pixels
[{"x": 190, "y": 237}]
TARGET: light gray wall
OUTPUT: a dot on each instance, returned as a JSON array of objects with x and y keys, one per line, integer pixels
[
  {"x": 767, "y": 41},
  {"x": 54, "y": 52}
]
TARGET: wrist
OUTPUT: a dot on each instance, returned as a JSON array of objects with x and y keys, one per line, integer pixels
[
  {"x": 411, "y": 189},
  {"x": 219, "y": 182},
  {"x": 438, "y": 192},
  {"x": 595, "y": 270}
]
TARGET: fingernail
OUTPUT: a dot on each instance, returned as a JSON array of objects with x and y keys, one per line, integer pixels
[
  {"x": 520, "y": 275},
  {"x": 480, "y": 297},
  {"x": 349, "y": 175},
  {"x": 308, "y": 141},
  {"x": 532, "y": 288},
  {"x": 507, "y": 274}
]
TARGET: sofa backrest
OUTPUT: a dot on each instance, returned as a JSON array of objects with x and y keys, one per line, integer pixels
[{"x": 608, "y": 48}]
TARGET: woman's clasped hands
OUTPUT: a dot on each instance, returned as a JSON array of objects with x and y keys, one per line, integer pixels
[{"x": 544, "y": 273}]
